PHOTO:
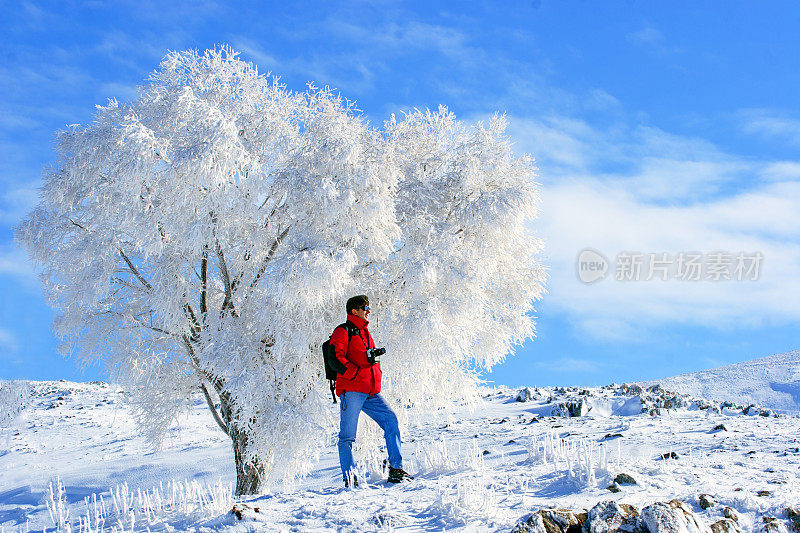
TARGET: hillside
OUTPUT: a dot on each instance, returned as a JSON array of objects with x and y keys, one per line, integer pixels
[
  {"x": 485, "y": 470},
  {"x": 772, "y": 382}
]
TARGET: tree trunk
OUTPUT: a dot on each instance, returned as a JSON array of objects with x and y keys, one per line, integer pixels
[{"x": 249, "y": 476}]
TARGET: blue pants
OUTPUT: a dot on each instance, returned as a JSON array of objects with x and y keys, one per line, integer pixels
[{"x": 351, "y": 405}]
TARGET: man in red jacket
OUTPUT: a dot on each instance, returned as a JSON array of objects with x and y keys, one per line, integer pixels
[{"x": 358, "y": 388}]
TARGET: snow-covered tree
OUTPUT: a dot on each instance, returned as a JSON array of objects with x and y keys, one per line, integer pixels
[{"x": 208, "y": 234}]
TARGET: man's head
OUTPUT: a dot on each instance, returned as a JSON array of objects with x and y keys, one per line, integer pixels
[{"x": 358, "y": 306}]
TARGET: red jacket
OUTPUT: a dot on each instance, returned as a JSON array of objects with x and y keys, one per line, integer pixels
[{"x": 360, "y": 375}]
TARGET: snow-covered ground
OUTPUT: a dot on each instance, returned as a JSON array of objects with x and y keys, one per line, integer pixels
[{"x": 475, "y": 471}]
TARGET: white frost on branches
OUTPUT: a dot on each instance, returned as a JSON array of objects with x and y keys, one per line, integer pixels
[{"x": 210, "y": 232}]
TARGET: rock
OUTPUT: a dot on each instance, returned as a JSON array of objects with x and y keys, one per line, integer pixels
[
  {"x": 706, "y": 501},
  {"x": 531, "y": 523},
  {"x": 560, "y": 521},
  {"x": 609, "y": 436},
  {"x": 672, "y": 517},
  {"x": 624, "y": 479},
  {"x": 773, "y": 525},
  {"x": 719, "y": 427},
  {"x": 763, "y": 493},
  {"x": 560, "y": 410},
  {"x": 725, "y": 525},
  {"x": 550, "y": 521},
  {"x": 673, "y": 402},
  {"x": 670, "y": 455},
  {"x": 794, "y": 518},
  {"x": 614, "y": 488},
  {"x": 578, "y": 407},
  {"x": 635, "y": 389},
  {"x": 242, "y": 511},
  {"x": 608, "y": 517},
  {"x": 730, "y": 512},
  {"x": 525, "y": 394}
]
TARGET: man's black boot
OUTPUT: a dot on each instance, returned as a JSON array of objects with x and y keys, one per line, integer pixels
[{"x": 396, "y": 475}]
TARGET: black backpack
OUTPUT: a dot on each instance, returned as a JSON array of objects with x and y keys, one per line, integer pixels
[{"x": 333, "y": 366}]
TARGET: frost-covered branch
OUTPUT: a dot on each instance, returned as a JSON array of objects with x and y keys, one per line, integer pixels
[
  {"x": 135, "y": 271},
  {"x": 265, "y": 263},
  {"x": 193, "y": 323},
  {"x": 213, "y": 409},
  {"x": 204, "y": 285},
  {"x": 226, "y": 279},
  {"x": 141, "y": 323}
]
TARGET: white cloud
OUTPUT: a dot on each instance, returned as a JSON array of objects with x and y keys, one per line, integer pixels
[
  {"x": 16, "y": 203},
  {"x": 119, "y": 91},
  {"x": 772, "y": 125},
  {"x": 256, "y": 53},
  {"x": 653, "y": 40},
  {"x": 664, "y": 167},
  {"x": 363, "y": 51},
  {"x": 600, "y": 100},
  {"x": 14, "y": 262},
  {"x": 647, "y": 191},
  {"x": 350, "y": 72},
  {"x": 782, "y": 170}
]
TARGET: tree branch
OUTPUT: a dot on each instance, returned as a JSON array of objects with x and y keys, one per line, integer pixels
[
  {"x": 134, "y": 270},
  {"x": 140, "y": 322},
  {"x": 76, "y": 224},
  {"x": 195, "y": 325},
  {"x": 213, "y": 409},
  {"x": 271, "y": 252},
  {"x": 226, "y": 280},
  {"x": 126, "y": 284},
  {"x": 204, "y": 285},
  {"x": 215, "y": 381}
]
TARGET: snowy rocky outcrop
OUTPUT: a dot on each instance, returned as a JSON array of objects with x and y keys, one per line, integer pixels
[
  {"x": 526, "y": 394},
  {"x": 626, "y": 400},
  {"x": 674, "y": 516},
  {"x": 606, "y": 517},
  {"x": 772, "y": 382},
  {"x": 552, "y": 521}
]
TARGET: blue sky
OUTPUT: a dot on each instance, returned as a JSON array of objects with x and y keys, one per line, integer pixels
[{"x": 657, "y": 128}]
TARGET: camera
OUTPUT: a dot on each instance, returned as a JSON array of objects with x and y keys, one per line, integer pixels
[{"x": 374, "y": 355}]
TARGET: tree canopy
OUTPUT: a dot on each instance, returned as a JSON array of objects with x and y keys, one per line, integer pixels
[{"x": 208, "y": 233}]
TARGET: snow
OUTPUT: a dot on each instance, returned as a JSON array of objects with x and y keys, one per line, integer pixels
[
  {"x": 483, "y": 470},
  {"x": 772, "y": 382}
]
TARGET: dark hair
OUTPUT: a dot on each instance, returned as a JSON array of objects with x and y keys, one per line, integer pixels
[{"x": 357, "y": 302}]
